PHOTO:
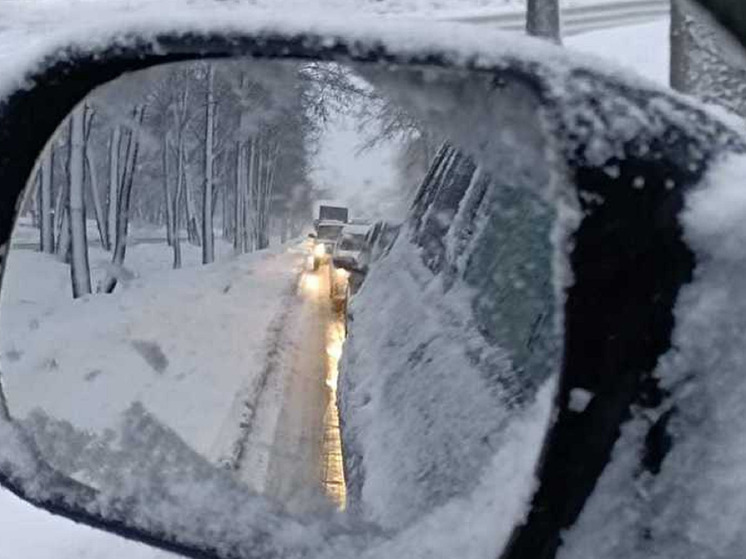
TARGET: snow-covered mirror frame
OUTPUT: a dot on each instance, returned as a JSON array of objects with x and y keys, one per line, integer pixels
[{"x": 612, "y": 131}]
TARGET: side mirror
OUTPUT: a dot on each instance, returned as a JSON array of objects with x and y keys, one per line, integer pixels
[{"x": 501, "y": 346}]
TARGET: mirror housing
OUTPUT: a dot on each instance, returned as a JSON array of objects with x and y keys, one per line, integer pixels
[{"x": 597, "y": 325}]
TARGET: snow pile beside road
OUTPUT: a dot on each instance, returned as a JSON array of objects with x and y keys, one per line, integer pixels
[{"x": 183, "y": 343}]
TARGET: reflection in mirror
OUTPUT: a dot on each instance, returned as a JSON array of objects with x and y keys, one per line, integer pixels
[{"x": 266, "y": 292}]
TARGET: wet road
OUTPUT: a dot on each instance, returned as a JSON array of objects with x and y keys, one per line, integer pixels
[{"x": 293, "y": 447}]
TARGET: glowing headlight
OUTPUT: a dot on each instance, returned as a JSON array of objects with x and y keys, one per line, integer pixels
[
  {"x": 319, "y": 250},
  {"x": 342, "y": 273}
]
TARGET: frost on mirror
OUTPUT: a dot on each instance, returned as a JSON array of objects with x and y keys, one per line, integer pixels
[{"x": 266, "y": 292}]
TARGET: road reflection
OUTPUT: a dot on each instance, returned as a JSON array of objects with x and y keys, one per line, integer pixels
[
  {"x": 330, "y": 321},
  {"x": 333, "y": 469}
]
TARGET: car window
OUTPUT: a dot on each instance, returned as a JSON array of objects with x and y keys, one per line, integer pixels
[
  {"x": 329, "y": 232},
  {"x": 352, "y": 242}
]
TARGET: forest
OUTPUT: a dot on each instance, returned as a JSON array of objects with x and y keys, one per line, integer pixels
[{"x": 189, "y": 150}]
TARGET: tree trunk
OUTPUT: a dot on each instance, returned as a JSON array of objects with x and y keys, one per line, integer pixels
[
  {"x": 123, "y": 200},
  {"x": 167, "y": 194},
  {"x": 180, "y": 179},
  {"x": 680, "y": 46},
  {"x": 80, "y": 272},
  {"x": 543, "y": 19},
  {"x": 224, "y": 208},
  {"x": 208, "y": 241},
  {"x": 93, "y": 179},
  {"x": 100, "y": 219},
  {"x": 62, "y": 217},
  {"x": 111, "y": 223},
  {"x": 46, "y": 227},
  {"x": 253, "y": 174},
  {"x": 264, "y": 198},
  {"x": 193, "y": 235},
  {"x": 239, "y": 223}
]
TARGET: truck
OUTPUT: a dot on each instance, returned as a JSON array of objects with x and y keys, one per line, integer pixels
[
  {"x": 327, "y": 227},
  {"x": 333, "y": 213}
]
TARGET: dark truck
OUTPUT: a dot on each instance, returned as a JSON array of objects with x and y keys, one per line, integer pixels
[
  {"x": 328, "y": 225},
  {"x": 333, "y": 213}
]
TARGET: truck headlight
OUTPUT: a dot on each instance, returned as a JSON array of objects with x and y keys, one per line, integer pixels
[{"x": 319, "y": 250}]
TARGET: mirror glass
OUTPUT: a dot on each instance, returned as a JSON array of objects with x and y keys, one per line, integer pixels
[{"x": 296, "y": 307}]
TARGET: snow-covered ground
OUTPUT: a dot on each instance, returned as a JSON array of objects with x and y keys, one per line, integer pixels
[
  {"x": 643, "y": 48},
  {"x": 194, "y": 346},
  {"x": 173, "y": 340},
  {"x": 139, "y": 319},
  {"x": 387, "y": 7}
]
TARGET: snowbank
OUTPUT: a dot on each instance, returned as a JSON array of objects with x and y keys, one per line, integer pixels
[{"x": 184, "y": 343}]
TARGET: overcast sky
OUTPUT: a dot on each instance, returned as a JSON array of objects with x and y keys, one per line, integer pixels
[{"x": 360, "y": 180}]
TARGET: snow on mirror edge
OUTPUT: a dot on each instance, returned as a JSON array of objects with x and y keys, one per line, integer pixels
[
  {"x": 191, "y": 376},
  {"x": 695, "y": 506}
]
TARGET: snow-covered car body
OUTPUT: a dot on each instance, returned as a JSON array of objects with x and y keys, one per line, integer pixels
[
  {"x": 347, "y": 267},
  {"x": 327, "y": 233},
  {"x": 379, "y": 239},
  {"x": 349, "y": 248},
  {"x": 619, "y": 256}
]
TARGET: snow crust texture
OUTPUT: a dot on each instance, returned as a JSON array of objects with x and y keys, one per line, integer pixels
[{"x": 453, "y": 335}]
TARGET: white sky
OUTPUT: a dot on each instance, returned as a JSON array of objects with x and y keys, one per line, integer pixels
[{"x": 357, "y": 179}]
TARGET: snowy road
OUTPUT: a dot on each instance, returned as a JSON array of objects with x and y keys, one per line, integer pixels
[
  {"x": 288, "y": 447},
  {"x": 252, "y": 394}
]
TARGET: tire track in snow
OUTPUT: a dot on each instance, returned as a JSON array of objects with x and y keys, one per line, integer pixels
[{"x": 261, "y": 404}]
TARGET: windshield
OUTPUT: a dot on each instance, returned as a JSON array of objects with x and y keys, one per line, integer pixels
[
  {"x": 352, "y": 242},
  {"x": 329, "y": 232}
]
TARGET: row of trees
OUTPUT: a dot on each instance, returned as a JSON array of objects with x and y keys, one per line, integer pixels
[{"x": 190, "y": 148}]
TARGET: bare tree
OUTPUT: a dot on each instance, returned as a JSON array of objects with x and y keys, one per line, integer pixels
[
  {"x": 208, "y": 241},
  {"x": 79, "y": 270},
  {"x": 93, "y": 181},
  {"x": 62, "y": 211},
  {"x": 46, "y": 227},
  {"x": 126, "y": 178},
  {"x": 543, "y": 19},
  {"x": 239, "y": 204},
  {"x": 113, "y": 193},
  {"x": 167, "y": 192},
  {"x": 190, "y": 208},
  {"x": 180, "y": 185}
]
